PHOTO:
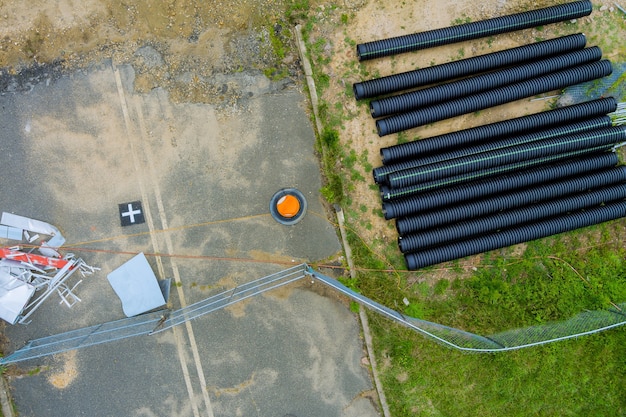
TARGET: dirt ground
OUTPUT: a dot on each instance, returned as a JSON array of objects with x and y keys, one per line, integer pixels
[
  {"x": 182, "y": 45},
  {"x": 193, "y": 41}
]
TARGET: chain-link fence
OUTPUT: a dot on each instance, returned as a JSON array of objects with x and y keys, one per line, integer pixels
[
  {"x": 150, "y": 323},
  {"x": 613, "y": 85},
  {"x": 585, "y": 323}
]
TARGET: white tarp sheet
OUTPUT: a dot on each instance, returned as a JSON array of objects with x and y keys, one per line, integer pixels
[
  {"x": 32, "y": 225},
  {"x": 137, "y": 287},
  {"x": 14, "y": 296}
]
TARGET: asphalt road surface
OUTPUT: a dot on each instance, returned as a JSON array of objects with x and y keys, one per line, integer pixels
[{"x": 72, "y": 149}]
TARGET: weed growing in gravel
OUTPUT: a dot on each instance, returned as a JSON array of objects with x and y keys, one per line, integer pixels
[
  {"x": 297, "y": 10},
  {"x": 403, "y": 137},
  {"x": 461, "y": 20},
  {"x": 332, "y": 190}
]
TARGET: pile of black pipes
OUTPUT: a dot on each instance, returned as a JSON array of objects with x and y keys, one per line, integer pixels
[
  {"x": 435, "y": 224},
  {"x": 381, "y": 174},
  {"x": 467, "y": 180},
  {"x": 561, "y": 177},
  {"x": 468, "y": 66},
  {"x": 606, "y": 137},
  {"x": 516, "y": 234},
  {"x": 550, "y": 118},
  {"x": 420, "y": 221},
  {"x": 474, "y": 30},
  {"x": 453, "y": 221},
  {"x": 495, "y": 97},
  {"x": 490, "y": 186},
  {"x": 516, "y": 216},
  {"x": 435, "y": 199},
  {"x": 481, "y": 82}
]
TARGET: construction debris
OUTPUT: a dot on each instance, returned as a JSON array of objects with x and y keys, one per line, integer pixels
[{"x": 26, "y": 275}]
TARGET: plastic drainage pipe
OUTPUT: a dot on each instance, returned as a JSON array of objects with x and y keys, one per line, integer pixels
[
  {"x": 389, "y": 194},
  {"x": 490, "y": 98},
  {"x": 468, "y": 66},
  {"x": 482, "y": 82},
  {"x": 519, "y": 234},
  {"x": 492, "y": 223},
  {"x": 556, "y": 117},
  {"x": 381, "y": 173},
  {"x": 509, "y": 155},
  {"x": 473, "y": 30},
  {"x": 479, "y": 189},
  {"x": 494, "y": 204}
]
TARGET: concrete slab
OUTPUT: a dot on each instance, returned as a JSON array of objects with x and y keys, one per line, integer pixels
[{"x": 73, "y": 150}]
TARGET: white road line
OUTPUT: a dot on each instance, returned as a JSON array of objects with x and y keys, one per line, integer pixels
[
  {"x": 149, "y": 221},
  {"x": 170, "y": 249}
]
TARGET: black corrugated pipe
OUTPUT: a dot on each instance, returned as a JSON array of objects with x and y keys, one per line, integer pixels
[
  {"x": 478, "y": 189},
  {"x": 490, "y": 98},
  {"x": 599, "y": 107},
  {"x": 482, "y": 82},
  {"x": 509, "y": 155},
  {"x": 389, "y": 194},
  {"x": 473, "y": 30},
  {"x": 468, "y": 66},
  {"x": 515, "y": 235},
  {"x": 492, "y": 223},
  {"x": 494, "y": 204},
  {"x": 381, "y": 173}
]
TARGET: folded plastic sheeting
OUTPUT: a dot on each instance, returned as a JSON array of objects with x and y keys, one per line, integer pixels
[
  {"x": 137, "y": 287},
  {"x": 32, "y": 225},
  {"x": 14, "y": 296}
]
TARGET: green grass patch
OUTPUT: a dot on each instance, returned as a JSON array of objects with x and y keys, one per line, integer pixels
[
  {"x": 583, "y": 377},
  {"x": 278, "y": 44},
  {"x": 554, "y": 279},
  {"x": 297, "y": 10},
  {"x": 461, "y": 20},
  {"x": 402, "y": 138},
  {"x": 606, "y": 30}
]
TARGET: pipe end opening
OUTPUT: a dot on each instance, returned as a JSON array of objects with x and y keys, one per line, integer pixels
[
  {"x": 374, "y": 108},
  {"x": 381, "y": 128},
  {"x": 388, "y": 212},
  {"x": 411, "y": 262},
  {"x": 359, "y": 51},
  {"x": 358, "y": 90}
]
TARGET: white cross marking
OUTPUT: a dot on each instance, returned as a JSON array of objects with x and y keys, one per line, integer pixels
[{"x": 131, "y": 213}]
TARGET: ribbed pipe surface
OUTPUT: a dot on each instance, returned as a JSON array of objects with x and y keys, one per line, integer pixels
[
  {"x": 388, "y": 194},
  {"x": 523, "y": 124},
  {"x": 490, "y": 98},
  {"x": 479, "y": 189},
  {"x": 473, "y": 30},
  {"x": 468, "y": 66},
  {"x": 381, "y": 173},
  {"x": 509, "y": 155},
  {"x": 492, "y": 223},
  {"x": 515, "y": 235},
  {"x": 482, "y": 82},
  {"x": 494, "y": 204}
]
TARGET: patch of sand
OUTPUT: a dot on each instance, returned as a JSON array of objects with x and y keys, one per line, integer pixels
[{"x": 63, "y": 378}]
